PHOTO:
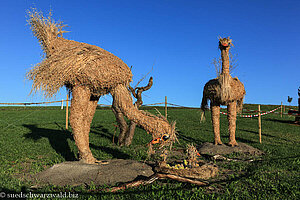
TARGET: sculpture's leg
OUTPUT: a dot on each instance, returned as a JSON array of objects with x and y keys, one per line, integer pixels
[
  {"x": 130, "y": 133},
  {"x": 215, "y": 117},
  {"x": 231, "y": 109},
  {"x": 78, "y": 120},
  {"x": 121, "y": 123}
]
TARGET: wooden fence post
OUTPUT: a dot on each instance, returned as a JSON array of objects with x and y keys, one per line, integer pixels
[
  {"x": 67, "y": 112},
  {"x": 62, "y": 104},
  {"x": 281, "y": 110},
  {"x": 166, "y": 107},
  {"x": 259, "y": 124}
]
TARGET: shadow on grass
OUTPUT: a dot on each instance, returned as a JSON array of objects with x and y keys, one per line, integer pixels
[
  {"x": 112, "y": 151},
  {"x": 266, "y": 135},
  {"x": 103, "y": 132},
  {"x": 292, "y": 122},
  {"x": 56, "y": 138},
  {"x": 256, "y": 133},
  {"x": 188, "y": 139}
]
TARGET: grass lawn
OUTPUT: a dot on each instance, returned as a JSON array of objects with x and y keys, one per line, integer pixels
[{"x": 34, "y": 138}]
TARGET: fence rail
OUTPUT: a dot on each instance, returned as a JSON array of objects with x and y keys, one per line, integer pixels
[
  {"x": 25, "y": 104},
  {"x": 154, "y": 104}
]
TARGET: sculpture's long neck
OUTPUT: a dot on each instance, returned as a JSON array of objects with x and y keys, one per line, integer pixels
[
  {"x": 225, "y": 60},
  {"x": 154, "y": 125}
]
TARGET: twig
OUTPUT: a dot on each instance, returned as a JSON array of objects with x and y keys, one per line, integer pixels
[{"x": 144, "y": 77}]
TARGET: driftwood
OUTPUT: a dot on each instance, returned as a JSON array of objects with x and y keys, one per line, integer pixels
[
  {"x": 155, "y": 177},
  {"x": 127, "y": 133}
]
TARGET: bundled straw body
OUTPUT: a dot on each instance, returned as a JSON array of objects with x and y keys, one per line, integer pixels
[
  {"x": 70, "y": 63},
  {"x": 223, "y": 90}
]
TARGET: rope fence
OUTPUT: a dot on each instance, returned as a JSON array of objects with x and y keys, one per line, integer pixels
[{"x": 249, "y": 116}]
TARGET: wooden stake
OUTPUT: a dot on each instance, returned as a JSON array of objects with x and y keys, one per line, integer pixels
[
  {"x": 259, "y": 124},
  {"x": 62, "y": 104},
  {"x": 67, "y": 112},
  {"x": 281, "y": 110},
  {"x": 166, "y": 107}
]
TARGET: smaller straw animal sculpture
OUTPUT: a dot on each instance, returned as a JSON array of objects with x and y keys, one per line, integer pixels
[{"x": 192, "y": 155}]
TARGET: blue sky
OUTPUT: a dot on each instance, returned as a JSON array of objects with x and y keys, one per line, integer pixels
[{"x": 178, "y": 38}]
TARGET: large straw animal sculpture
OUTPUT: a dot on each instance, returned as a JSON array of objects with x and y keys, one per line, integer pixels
[
  {"x": 224, "y": 90},
  {"x": 88, "y": 72}
]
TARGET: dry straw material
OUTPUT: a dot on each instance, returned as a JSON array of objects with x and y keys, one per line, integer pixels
[
  {"x": 70, "y": 63},
  {"x": 224, "y": 90},
  {"x": 155, "y": 125}
]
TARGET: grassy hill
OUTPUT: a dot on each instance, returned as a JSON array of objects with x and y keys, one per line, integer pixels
[{"x": 34, "y": 138}]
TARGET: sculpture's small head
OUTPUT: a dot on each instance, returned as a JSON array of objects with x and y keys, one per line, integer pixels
[
  {"x": 163, "y": 138},
  {"x": 167, "y": 137},
  {"x": 225, "y": 43}
]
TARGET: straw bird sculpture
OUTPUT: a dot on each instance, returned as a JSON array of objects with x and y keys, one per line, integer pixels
[
  {"x": 224, "y": 90},
  {"x": 88, "y": 72}
]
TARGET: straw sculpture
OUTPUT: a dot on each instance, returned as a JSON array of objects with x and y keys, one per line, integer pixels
[
  {"x": 88, "y": 72},
  {"x": 224, "y": 90}
]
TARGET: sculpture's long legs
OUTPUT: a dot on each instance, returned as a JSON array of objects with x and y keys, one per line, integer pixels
[
  {"x": 231, "y": 109},
  {"x": 80, "y": 109},
  {"x": 215, "y": 117}
]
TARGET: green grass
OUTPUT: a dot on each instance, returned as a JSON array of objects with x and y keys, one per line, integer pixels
[{"x": 34, "y": 138}]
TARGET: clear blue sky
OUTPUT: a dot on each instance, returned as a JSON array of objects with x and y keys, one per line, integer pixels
[{"x": 178, "y": 37}]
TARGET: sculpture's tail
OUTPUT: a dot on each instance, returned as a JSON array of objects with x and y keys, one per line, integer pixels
[
  {"x": 204, "y": 106},
  {"x": 44, "y": 28}
]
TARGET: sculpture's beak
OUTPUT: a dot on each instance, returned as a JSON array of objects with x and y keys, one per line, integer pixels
[
  {"x": 164, "y": 138},
  {"x": 155, "y": 141},
  {"x": 224, "y": 44}
]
